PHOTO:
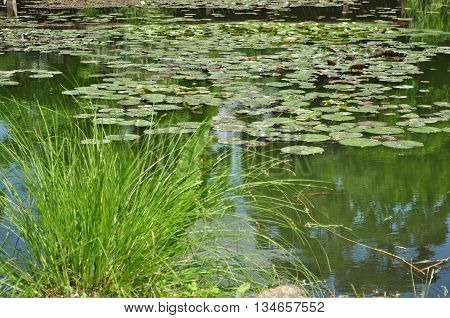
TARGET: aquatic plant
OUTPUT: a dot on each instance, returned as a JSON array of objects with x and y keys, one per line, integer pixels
[
  {"x": 428, "y": 14},
  {"x": 144, "y": 218}
]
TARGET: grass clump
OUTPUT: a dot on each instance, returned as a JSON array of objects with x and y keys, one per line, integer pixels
[{"x": 119, "y": 219}]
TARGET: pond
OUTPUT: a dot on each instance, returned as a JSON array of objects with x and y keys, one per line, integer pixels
[{"x": 356, "y": 98}]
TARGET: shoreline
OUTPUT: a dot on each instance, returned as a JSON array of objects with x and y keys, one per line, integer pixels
[{"x": 221, "y": 4}]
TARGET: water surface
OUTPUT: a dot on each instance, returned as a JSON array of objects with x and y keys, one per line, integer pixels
[{"x": 396, "y": 200}]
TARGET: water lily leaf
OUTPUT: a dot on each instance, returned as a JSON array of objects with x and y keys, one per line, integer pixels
[
  {"x": 42, "y": 75},
  {"x": 340, "y": 135},
  {"x": 402, "y": 144},
  {"x": 372, "y": 124},
  {"x": 189, "y": 125},
  {"x": 154, "y": 98},
  {"x": 359, "y": 142},
  {"x": 424, "y": 130},
  {"x": 107, "y": 121},
  {"x": 333, "y": 117},
  {"x": 313, "y": 138},
  {"x": 169, "y": 130},
  {"x": 125, "y": 137},
  {"x": 83, "y": 116},
  {"x": 442, "y": 104},
  {"x": 231, "y": 141},
  {"x": 384, "y": 130},
  {"x": 8, "y": 83},
  {"x": 302, "y": 150},
  {"x": 167, "y": 107},
  {"x": 129, "y": 102},
  {"x": 95, "y": 141}
]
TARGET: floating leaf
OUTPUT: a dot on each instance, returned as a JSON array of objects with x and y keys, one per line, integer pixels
[
  {"x": 359, "y": 142},
  {"x": 339, "y": 135},
  {"x": 125, "y": 137},
  {"x": 402, "y": 144},
  {"x": 424, "y": 130},
  {"x": 384, "y": 130},
  {"x": 333, "y": 117},
  {"x": 302, "y": 150},
  {"x": 95, "y": 141},
  {"x": 313, "y": 138},
  {"x": 107, "y": 121}
]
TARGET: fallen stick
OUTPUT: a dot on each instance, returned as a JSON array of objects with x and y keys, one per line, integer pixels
[
  {"x": 437, "y": 263},
  {"x": 421, "y": 271}
]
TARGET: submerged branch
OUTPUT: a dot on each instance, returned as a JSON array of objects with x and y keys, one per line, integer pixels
[{"x": 422, "y": 271}]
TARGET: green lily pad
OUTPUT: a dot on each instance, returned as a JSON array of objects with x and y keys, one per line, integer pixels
[
  {"x": 402, "y": 144},
  {"x": 95, "y": 141},
  {"x": 41, "y": 75},
  {"x": 340, "y": 135},
  {"x": 107, "y": 121},
  {"x": 302, "y": 150},
  {"x": 359, "y": 142},
  {"x": 129, "y": 102},
  {"x": 334, "y": 117},
  {"x": 83, "y": 116},
  {"x": 231, "y": 141},
  {"x": 169, "y": 130},
  {"x": 167, "y": 107},
  {"x": 442, "y": 104},
  {"x": 125, "y": 137},
  {"x": 8, "y": 83},
  {"x": 424, "y": 130},
  {"x": 313, "y": 138},
  {"x": 372, "y": 124},
  {"x": 154, "y": 98},
  {"x": 142, "y": 123},
  {"x": 189, "y": 125},
  {"x": 384, "y": 130}
]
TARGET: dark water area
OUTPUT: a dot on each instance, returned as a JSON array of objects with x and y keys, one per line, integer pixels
[
  {"x": 392, "y": 199},
  {"x": 362, "y": 10}
]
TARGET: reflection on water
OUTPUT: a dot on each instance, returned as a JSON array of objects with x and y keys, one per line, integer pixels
[{"x": 396, "y": 202}]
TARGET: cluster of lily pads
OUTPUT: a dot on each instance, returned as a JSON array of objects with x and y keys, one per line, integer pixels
[
  {"x": 5, "y": 76},
  {"x": 271, "y": 82}
]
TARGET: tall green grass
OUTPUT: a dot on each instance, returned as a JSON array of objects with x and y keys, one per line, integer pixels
[
  {"x": 154, "y": 218},
  {"x": 428, "y": 14}
]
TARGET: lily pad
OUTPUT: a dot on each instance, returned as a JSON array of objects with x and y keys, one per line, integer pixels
[
  {"x": 125, "y": 137},
  {"x": 384, "y": 130},
  {"x": 403, "y": 144},
  {"x": 154, "y": 98},
  {"x": 340, "y": 135},
  {"x": 168, "y": 130},
  {"x": 360, "y": 142},
  {"x": 442, "y": 104},
  {"x": 372, "y": 124},
  {"x": 302, "y": 150},
  {"x": 334, "y": 117},
  {"x": 95, "y": 141},
  {"x": 424, "y": 130},
  {"x": 107, "y": 121},
  {"x": 313, "y": 138}
]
